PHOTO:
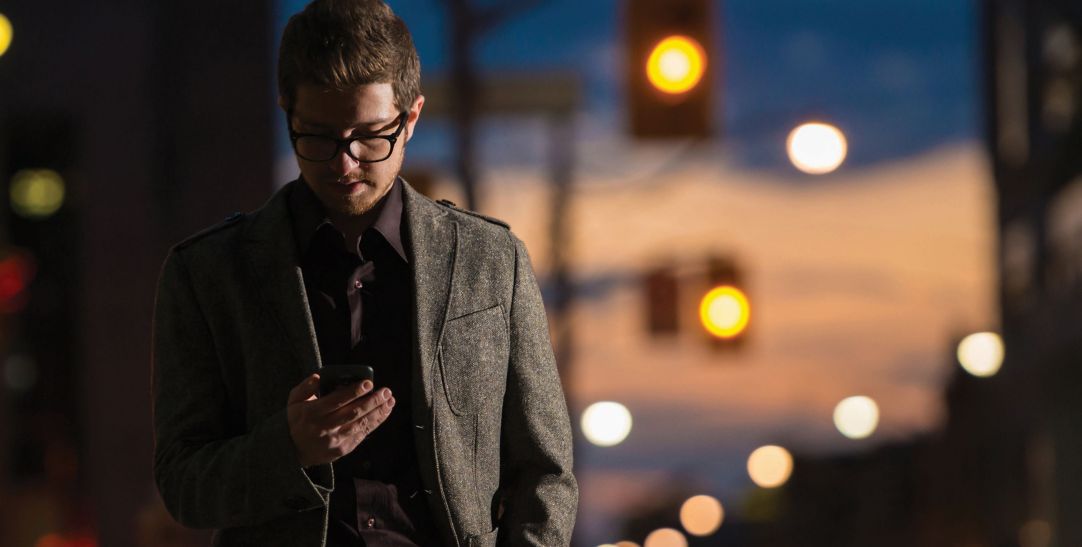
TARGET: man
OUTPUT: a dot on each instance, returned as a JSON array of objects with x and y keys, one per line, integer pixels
[{"x": 464, "y": 438}]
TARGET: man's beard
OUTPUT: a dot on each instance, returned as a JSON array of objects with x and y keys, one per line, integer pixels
[{"x": 358, "y": 205}]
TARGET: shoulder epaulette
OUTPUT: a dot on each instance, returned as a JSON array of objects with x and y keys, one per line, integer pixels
[
  {"x": 229, "y": 221},
  {"x": 451, "y": 205}
]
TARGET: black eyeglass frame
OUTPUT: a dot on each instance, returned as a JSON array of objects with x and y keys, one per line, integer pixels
[{"x": 348, "y": 141}]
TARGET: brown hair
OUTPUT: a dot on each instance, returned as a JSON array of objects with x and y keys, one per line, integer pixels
[{"x": 347, "y": 43}]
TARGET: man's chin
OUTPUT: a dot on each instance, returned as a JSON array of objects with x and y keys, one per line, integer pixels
[{"x": 353, "y": 205}]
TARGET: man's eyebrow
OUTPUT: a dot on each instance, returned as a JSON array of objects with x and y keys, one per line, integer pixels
[{"x": 374, "y": 125}]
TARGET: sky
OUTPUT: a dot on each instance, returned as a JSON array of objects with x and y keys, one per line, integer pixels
[
  {"x": 860, "y": 285},
  {"x": 898, "y": 76},
  {"x": 860, "y": 280}
]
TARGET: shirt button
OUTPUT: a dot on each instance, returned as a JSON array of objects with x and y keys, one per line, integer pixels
[
  {"x": 371, "y": 522},
  {"x": 357, "y": 283}
]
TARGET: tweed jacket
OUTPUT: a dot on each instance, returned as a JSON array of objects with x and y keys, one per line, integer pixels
[{"x": 233, "y": 334}]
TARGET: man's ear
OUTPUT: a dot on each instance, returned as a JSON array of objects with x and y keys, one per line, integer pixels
[{"x": 414, "y": 115}]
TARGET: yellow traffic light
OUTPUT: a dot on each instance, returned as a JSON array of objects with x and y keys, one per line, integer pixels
[
  {"x": 669, "y": 86},
  {"x": 725, "y": 311},
  {"x": 6, "y": 33},
  {"x": 676, "y": 64}
]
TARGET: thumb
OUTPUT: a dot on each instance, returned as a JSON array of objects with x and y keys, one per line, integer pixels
[{"x": 305, "y": 390}]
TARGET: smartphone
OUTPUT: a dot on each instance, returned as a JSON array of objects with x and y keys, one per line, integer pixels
[{"x": 332, "y": 377}]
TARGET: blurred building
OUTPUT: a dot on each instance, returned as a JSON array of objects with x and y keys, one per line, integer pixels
[
  {"x": 1034, "y": 137},
  {"x": 157, "y": 117}
]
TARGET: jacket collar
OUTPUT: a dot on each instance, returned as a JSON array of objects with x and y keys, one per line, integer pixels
[
  {"x": 431, "y": 247},
  {"x": 310, "y": 215}
]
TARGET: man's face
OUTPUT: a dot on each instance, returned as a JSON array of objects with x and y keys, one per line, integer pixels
[{"x": 344, "y": 185}]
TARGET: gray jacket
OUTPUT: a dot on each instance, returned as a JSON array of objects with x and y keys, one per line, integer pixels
[{"x": 233, "y": 334}]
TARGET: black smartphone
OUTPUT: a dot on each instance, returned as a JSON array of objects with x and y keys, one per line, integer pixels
[{"x": 332, "y": 377}]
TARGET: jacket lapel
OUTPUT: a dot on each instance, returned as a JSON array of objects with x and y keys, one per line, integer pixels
[
  {"x": 432, "y": 249},
  {"x": 275, "y": 270}
]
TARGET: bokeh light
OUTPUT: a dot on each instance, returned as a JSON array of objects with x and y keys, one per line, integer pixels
[
  {"x": 1035, "y": 533},
  {"x": 665, "y": 537},
  {"x": 606, "y": 423},
  {"x": 724, "y": 311},
  {"x": 17, "y": 270},
  {"x": 626, "y": 543},
  {"x": 981, "y": 354},
  {"x": 701, "y": 515},
  {"x": 856, "y": 417},
  {"x": 7, "y": 32},
  {"x": 37, "y": 193},
  {"x": 770, "y": 466},
  {"x": 817, "y": 148},
  {"x": 20, "y": 372},
  {"x": 676, "y": 65}
]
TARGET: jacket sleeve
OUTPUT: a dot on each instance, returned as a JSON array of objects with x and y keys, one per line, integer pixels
[
  {"x": 209, "y": 474},
  {"x": 540, "y": 491}
]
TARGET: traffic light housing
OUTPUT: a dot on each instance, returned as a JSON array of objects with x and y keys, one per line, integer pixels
[
  {"x": 706, "y": 298},
  {"x": 669, "y": 67},
  {"x": 662, "y": 302},
  {"x": 724, "y": 310}
]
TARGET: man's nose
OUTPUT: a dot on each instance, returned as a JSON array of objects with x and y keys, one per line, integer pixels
[{"x": 342, "y": 164}]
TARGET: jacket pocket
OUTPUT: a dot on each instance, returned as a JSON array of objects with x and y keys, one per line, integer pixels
[
  {"x": 483, "y": 540},
  {"x": 473, "y": 359}
]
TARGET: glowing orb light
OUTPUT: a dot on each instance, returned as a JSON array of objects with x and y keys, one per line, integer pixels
[
  {"x": 817, "y": 148},
  {"x": 606, "y": 423},
  {"x": 676, "y": 65}
]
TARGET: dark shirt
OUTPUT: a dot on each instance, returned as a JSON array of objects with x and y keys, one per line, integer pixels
[{"x": 360, "y": 304}]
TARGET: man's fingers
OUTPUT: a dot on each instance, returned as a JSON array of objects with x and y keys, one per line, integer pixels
[
  {"x": 343, "y": 396},
  {"x": 366, "y": 424},
  {"x": 371, "y": 408},
  {"x": 304, "y": 390}
]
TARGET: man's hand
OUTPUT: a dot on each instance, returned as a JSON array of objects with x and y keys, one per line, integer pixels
[{"x": 326, "y": 428}]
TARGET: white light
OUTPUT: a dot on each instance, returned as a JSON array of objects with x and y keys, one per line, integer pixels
[
  {"x": 856, "y": 417},
  {"x": 981, "y": 354},
  {"x": 817, "y": 148},
  {"x": 770, "y": 466},
  {"x": 606, "y": 423}
]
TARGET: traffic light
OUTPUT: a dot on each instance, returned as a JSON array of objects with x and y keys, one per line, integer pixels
[
  {"x": 706, "y": 297},
  {"x": 39, "y": 274},
  {"x": 669, "y": 66},
  {"x": 662, "y": 302},
  {"x": 724, "y": 310}
]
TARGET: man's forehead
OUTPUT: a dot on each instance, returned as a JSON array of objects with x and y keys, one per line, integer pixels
[{"x": 370, "y": 104}]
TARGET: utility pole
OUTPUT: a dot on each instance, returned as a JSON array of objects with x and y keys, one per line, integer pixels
[{"x": 468, "y": 24}]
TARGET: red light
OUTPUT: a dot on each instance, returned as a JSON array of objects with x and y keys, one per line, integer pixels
[{"x": 16, "y": 271}]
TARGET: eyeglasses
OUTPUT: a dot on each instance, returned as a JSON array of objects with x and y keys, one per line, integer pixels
[{"x": 362, "y": 148}]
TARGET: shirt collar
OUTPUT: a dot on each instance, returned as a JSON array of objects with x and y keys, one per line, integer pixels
[{"x": 310, "y": 215}]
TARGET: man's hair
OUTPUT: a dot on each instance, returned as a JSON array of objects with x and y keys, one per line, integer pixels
[{"x": 347, "y": 43}]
